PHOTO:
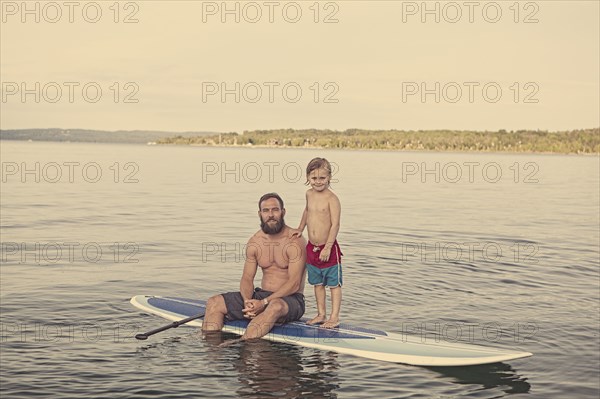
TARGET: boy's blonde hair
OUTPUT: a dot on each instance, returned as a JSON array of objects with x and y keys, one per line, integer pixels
[{"x": 317, "y": 163}]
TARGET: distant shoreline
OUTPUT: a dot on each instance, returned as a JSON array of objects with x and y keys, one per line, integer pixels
[
  {"x": 575, "y": 142},
  {"x": 257, "y": 147},
  {"x": 585, "y": 141}
]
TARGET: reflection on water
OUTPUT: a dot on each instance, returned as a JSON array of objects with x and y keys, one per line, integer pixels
[
  {"x": 268, "y": 368},
  {"x": 496, "y": 375}
]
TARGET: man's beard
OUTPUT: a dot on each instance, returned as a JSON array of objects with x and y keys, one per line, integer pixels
[{"x": 272, "y": 229}]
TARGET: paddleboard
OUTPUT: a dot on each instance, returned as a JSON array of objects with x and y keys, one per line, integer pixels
[{"x": 346, "y": 339}]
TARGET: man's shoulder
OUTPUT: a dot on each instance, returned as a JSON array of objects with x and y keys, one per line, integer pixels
[
  {"x": 295, "y": 249},
  {"x": 295, "y": 239},
  {"x": 300, "y": 240},
  {"x": 256, "y": 236},
  {"x": 287, "y": 241},
  {"x": 260, "y": 236}
]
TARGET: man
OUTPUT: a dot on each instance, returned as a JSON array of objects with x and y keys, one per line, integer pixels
[{"x": 282, "y": 261}]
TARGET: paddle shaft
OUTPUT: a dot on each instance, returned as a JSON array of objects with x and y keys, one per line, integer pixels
[{"x": 175, "y": 324}]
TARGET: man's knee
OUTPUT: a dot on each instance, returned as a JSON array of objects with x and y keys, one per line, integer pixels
[
  {"x": 215, "y": 312},
  {"x": 216, "y": 304},
  {"x": 278, "y": 306}
]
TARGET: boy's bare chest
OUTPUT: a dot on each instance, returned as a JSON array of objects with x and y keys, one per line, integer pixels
[{"x": 318, "y": 207}]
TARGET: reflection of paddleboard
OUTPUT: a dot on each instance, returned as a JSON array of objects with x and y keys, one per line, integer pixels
[{"x": 358, "y": 341}]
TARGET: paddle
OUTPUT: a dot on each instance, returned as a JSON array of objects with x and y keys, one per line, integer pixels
[{"x": 175, "y": 324}]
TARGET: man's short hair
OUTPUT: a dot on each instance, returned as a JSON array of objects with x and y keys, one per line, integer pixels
[{"x": 268, "y": 196}]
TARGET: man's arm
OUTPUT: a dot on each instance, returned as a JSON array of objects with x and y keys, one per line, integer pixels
[{"x": 250, "y": 268}]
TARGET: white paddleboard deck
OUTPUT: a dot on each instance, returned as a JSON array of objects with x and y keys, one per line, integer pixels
[{"x": 363, "y": 342}]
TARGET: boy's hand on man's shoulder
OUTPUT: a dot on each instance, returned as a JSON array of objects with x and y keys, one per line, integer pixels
[{"x": 294, "y": 233}]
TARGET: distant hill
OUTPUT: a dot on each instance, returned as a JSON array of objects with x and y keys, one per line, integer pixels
[{"x": 94, "y": 136}]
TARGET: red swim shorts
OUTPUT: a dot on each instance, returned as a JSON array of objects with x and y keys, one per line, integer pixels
[{"x": 313, "y": 252}]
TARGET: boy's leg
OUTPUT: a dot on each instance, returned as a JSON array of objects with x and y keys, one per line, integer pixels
[
  {"x": 334, "y": 282},
  {"x": 316, "y": 278},
  {"x": 336, "y": 304},
  {"x": 321, "y": 306}
]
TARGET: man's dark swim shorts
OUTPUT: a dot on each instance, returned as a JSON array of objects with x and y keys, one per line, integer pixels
[{"x": 235, "y": 304}]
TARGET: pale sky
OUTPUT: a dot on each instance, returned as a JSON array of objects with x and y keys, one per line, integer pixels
[{"x": 483, "y": 65}]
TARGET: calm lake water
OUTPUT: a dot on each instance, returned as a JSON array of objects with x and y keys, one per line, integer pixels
[{"x": 494, "y": 249}]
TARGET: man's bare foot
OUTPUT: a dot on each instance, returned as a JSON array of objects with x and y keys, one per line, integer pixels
[
  {"x": 230, "y": 342},
  {"x": 331, "y": 323},
  {"x": 316, "y": 320}
]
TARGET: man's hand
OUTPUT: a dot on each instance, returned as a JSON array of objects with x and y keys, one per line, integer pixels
[
  {"x": 325, "y": 252},
  {"x": 253, "y": 307}
]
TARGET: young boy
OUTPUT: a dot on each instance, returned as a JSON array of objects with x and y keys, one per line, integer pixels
[{"x": 323, "y": 256}]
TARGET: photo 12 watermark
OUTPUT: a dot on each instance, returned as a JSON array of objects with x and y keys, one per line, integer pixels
[
  {"x": 235, "y": 252},
  {"x": 469, "y": 92},
  {"x": 62, "y": 333},
  {"x": 54, "y": 12},
  {"x": 436, "y": 252},
  {"x": 70, "y": 92},
  {"x": 52, "y": 253},
  {"x": 453, "y": 332},
  {"x": 423, "y": 332},
  {"x": 254, "y": 172},
  {"x": 469, "y": 252},
  {"x": 253, "y": 12},
  {"x": 469, "y": 172},
  {"x": 454, "y": 12},
  {"x": 69, "y": 172},
  {"x": 270, "y": 92}
]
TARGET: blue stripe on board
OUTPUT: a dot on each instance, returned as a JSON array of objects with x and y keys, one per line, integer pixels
[
  {"x": 297, "y": 329},
  {"x": 349, "y": 327},
  {"x": 300, "y": 330},
  {"x": 175, "y": 306},
  {"x": 196, "y": 301}
]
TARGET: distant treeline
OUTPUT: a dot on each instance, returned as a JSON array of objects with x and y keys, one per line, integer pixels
[{"x": 576, "y": 141}]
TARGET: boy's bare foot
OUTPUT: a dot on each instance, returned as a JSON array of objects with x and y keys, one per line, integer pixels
[
  {"x": 331, "y": 323},
  {"x": 316, "y": 320}
]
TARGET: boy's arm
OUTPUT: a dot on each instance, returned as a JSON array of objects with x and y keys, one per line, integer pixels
[
  {"x": 298, "y": 232},
  {"x": 302, "y": 221},
  {"x": 304, "y": 216},
  {"x": 335, "y": 210}
]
